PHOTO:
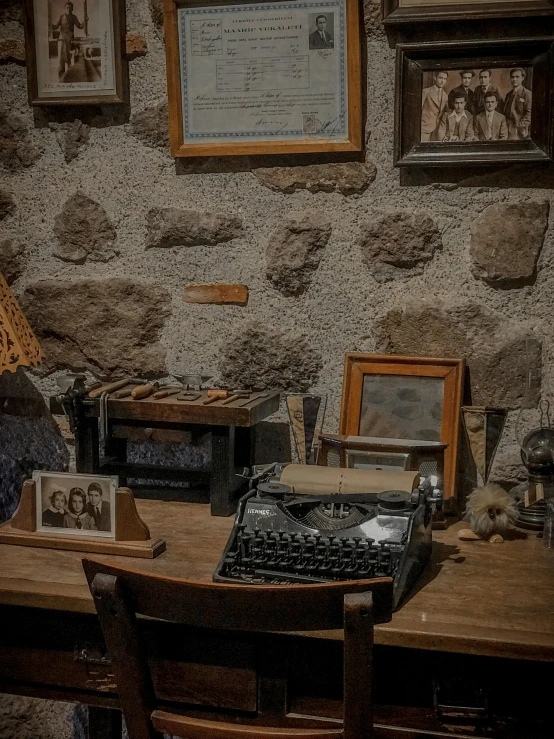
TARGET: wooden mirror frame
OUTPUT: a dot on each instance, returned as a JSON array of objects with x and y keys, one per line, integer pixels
[{"x": 357, "y": 365}]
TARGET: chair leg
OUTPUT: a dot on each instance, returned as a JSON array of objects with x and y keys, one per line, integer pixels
[{"x": 358, "y": 666}]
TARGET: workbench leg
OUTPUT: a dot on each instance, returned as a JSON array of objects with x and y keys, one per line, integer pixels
[
  {"x": 223, "y": 481},
  {"x": 104, "y": 723},
  {"x": 87, "y": 453}
]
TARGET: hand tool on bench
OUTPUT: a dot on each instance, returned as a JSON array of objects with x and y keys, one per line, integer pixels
[
  {"x": 256, "y": 396},
  {"x": 236, "y": 395},
  {"x": 215, "y": 395},
  {"x": 166, "y": 392},
  {"x": 144, "y": 391},
  {"x": 110, "y": 387},
  {"x": 189, "y": 396}
]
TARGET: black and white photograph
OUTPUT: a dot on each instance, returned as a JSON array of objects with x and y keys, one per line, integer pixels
[
  {"x": 75, "y": 50},
  {"x": 75, "y": 504},
  {"x": 321, "y": 28},
  {"x": 474, "y": 102},
  {"x": 483, "y": 104}
]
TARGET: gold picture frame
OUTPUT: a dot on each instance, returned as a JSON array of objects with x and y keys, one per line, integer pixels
[{"x": 193, "y": 125}]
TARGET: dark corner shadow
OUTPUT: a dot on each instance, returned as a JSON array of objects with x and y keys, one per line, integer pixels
[
  {"x": 96, "y": 116},
  {"x": 537, "y": 176},
  {"x": 519, "y": 535},
  {"x": 232, "y": 164},
  {"x": 441, "y": 552}
]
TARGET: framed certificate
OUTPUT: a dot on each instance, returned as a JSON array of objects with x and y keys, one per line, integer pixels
[
  {"x": 263, "y": 77},
  {"x": 404, "y": 11}
]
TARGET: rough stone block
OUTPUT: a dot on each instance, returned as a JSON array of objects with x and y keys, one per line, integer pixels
[
  {"x": 16, "y": 147},
  {"x": 399, "y": 244},
  {"x": 216, "y": 294},
  {"x": 169, "y": 227},
  {"x": 151, "y": 126},
  {"x": 372, "y": 17},
  {"x": 156, "y": 12},
  {"x": 261, "y": 356},
  {"x": 349, "y": 178},
  {"x": 84, "y": 230},
  {"x": 7, "y": 204},
  {"x": 12, "y": 50},
  {"x": 500, "y": 352},
  {"x": 506, "y": 242},
  {"x": 71, "y": 137},
  {"x": 32, "y": 718},
  {"x": 294, "y": 251},
  {"x": 109, "y": 326},
  {"x": 135, "y": 45},
  {"x": 12, "y": 264}
]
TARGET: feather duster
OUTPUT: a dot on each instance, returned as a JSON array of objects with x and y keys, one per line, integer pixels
[{"x": 490, "y": 510}]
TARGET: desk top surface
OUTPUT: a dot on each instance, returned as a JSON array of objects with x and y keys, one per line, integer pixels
[{"x": 474, "y": 597}]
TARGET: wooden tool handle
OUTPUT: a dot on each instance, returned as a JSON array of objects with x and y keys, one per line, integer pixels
[
  {"x": 214, "y": 395},
  {"x": 166, "y": 392},
  {"x": 109, "y": 388},
  {"x": 142, "y": 391},
  {"x": 125, "y": 393},
  {"x": 230, "y": 399}
]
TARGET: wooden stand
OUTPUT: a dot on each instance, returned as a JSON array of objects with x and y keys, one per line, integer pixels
[{"x": 132, "y": 535}]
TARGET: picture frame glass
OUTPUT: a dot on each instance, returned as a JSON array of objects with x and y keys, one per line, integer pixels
[
  {"x": 71, "y": 504},
  {"x": 402, "y": 407},
  {"x": 74, "y": 48}
]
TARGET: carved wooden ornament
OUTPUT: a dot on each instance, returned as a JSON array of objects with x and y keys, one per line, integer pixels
[{"x": 18, "y": 344}]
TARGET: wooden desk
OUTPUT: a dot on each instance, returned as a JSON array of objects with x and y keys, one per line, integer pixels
[{"x": 484, "y": 605}]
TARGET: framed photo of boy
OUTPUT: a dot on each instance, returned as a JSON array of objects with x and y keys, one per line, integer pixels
[
  {"x": 474, "y": 102},
  {"x": 408, "y": 11},
  {"x": 70, "y": 504},
  {"x": 75, "y": 52}
]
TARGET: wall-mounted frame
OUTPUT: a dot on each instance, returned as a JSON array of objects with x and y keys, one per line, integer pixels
[
  {"x": 279, "y": 77},
  {"x": 429, "y": 75},
  {"x": 75, "y": 52},
  {"x": 408, "y": 11},
  {"x": 397, "y": 397}
]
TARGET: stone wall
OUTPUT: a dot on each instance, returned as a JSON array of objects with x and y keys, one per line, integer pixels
[{"x": 101, "y": 231}]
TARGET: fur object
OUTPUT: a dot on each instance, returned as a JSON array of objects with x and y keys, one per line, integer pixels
[{"x": 490, "y": 510}]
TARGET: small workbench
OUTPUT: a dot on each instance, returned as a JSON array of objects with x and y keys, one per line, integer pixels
[
  {"x": 230, "y": 428},
  {"x": 479, "y": 612}
]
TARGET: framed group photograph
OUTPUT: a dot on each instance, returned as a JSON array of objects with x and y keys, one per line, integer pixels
[
  {"x": 484, "y": 102},
  {"x": 75, "y": 52},
  {"x": 408, "y": 11},
  {"x": 408, "y": 399},
  {"x": 75, "y": 505},
  {"x": 263, "y": 78}
]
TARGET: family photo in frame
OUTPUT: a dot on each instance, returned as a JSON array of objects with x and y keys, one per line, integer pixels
[
  {"x": 75, "y": 504},
  {"x": 474, "y": 102}
]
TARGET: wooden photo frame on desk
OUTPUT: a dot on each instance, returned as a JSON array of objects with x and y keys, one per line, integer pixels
[
  {"x": 410, "y": 11},
  {"x": 395, "y": 397},
  {"x": 128, "y": 535},
  {"x": 76, "y": 52},
  {"x": 263, "y": 78}
]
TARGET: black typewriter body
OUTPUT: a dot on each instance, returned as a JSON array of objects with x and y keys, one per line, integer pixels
[{"x": 280, "y": 537}]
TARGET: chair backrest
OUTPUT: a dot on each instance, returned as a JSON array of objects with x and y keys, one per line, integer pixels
[
  {"x": 119, "y": 595},
  {"x": 307, "y": 607}
]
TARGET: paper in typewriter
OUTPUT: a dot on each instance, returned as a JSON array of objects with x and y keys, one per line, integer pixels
[{"x": 264, "y": 71}]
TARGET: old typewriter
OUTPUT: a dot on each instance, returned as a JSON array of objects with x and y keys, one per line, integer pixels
[{"x": 280, "y": 536}]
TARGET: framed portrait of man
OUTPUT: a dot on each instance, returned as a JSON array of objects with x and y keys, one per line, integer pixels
[
  {"x": 75, "y": 52},
  {"x": 482, "y": 102},
  {"x": 408, "y": 11}
]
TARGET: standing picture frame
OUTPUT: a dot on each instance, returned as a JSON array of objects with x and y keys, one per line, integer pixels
[
  {"x": 76, "y": 52},
  {"x": 409, "y": 11},
  {"x": 280, "y": 77},
  {"x": 518, "y": 73},
  {"x": 385, "y": 396}
]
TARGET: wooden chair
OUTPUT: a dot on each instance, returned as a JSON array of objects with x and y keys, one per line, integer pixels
[{"x": 119, "y": 595}]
